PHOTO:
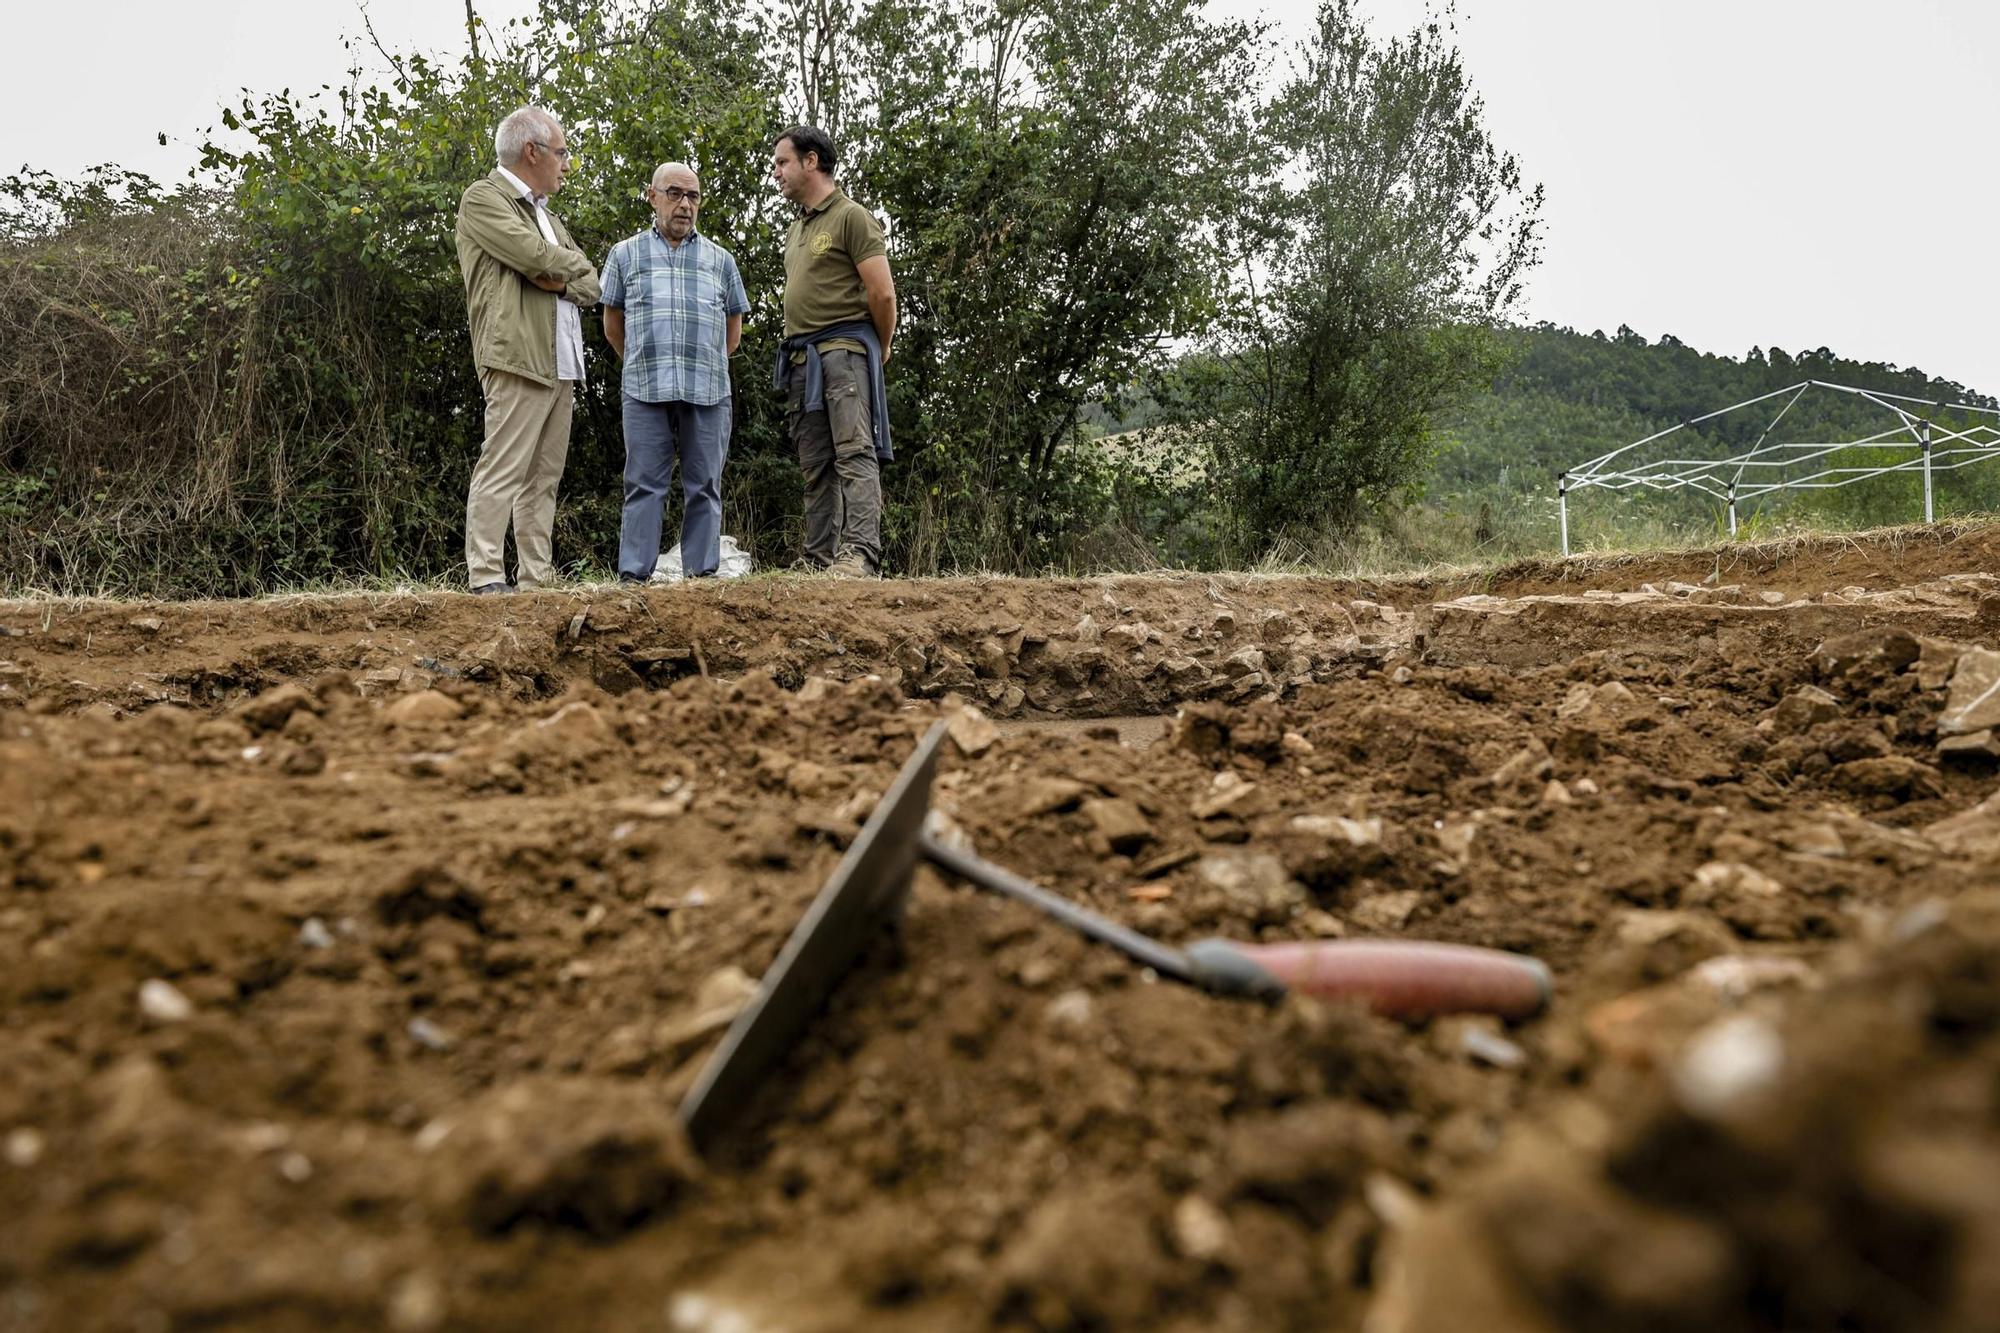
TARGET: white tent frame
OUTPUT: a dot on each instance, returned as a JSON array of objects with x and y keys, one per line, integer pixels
[{"x": 1934, "y": 448}]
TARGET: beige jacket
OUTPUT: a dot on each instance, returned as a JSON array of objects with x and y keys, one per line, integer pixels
[{"x": 499, "y": 249}]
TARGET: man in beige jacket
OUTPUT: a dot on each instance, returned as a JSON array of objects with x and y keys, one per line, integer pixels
[{"x": 526, "y": 284}]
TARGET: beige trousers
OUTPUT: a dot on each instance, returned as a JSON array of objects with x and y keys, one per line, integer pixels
[{"x": 520, "y": 465}]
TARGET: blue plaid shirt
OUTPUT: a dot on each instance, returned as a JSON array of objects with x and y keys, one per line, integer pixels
[{"x": 677, "y": 302}]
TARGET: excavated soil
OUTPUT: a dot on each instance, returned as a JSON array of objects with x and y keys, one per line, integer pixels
[{"x": 358, "y": 949}]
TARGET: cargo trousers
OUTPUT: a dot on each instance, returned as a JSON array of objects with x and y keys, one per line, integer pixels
[{"x": 836, "y": 448}]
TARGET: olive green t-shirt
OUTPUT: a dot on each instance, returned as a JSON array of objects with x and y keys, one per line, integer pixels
[{"x": 822, "y": 285}]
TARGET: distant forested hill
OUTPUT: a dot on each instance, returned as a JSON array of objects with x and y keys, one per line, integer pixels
[{"x": 1567, "y": 397}]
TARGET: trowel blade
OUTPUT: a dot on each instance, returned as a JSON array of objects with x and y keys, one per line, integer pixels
[{"x": 867, "y": 890}]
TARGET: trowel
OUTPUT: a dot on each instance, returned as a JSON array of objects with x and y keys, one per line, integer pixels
[{"x": 1401, "y": 978}]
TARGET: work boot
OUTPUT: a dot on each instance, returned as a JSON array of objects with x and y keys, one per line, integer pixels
[{"x": 853, "y": 565}]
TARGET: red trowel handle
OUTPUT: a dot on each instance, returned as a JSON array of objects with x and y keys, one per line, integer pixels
[{"x": 1396, "y": 978}]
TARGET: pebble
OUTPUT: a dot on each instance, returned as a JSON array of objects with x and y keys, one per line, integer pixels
[
  {"x": 295, "y": 1167},
  {"x": 1226, "y": 795},
  {"x": 24, "y": 1147},
  {"x": 1490, "y": 1048},
  {"x": 1391, "y": 1200},
  {"x": 691, "y": 1312},
  {"x": 1037, "y": 972},
  {"x": 1815, "y": 840},
  {"x": 417, "y": 1302},
  {"x": 1069, "y": 1011},
  {"x": 1734, "y": 976},
  {"x": 1386, "y": 911},
  {"x": 162, "y": 1002},
  {"x": 313, "y": 934},
  {"x": 429, "y": 1035},
  {"x": 1925, "y": 917},
  {"x": 1727, "y": 1064},
  {"x": 1201, "y": 1232},
  {"x": 1359, "y": 833}
]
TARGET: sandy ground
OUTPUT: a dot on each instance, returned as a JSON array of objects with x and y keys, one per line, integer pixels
[{"x": 357, "y": 950}]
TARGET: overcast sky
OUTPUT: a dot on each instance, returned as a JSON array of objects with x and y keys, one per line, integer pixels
[{"x": 1735, "y": 172}]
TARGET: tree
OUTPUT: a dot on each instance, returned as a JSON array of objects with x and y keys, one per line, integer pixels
[
  {"x": 1399, "y": 237},
  {"x": 1055, "y": 175}
]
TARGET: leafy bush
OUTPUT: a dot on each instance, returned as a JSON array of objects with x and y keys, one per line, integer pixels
[{"x": 269, "y": 383}]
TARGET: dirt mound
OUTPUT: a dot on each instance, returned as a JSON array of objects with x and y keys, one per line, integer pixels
[{"x": 342, "y": 1001}]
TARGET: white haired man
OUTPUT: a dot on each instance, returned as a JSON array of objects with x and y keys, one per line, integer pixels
[
  {"x": 673, "y": 311},
  {"x": 526, "y": 284}
]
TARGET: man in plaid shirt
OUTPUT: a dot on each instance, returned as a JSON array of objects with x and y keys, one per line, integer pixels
[{"x": 673, "y": 311}]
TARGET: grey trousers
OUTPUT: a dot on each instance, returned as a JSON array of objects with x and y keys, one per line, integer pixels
[
  {"x": 654, "y": 434},
  {"x": 520, "y": 465},
  {"x": 837, "y": 454}
]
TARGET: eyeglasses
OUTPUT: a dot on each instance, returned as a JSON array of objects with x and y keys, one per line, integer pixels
[
  {"x": 560, "y": 150},
  {"x": 673, "y": 194}
]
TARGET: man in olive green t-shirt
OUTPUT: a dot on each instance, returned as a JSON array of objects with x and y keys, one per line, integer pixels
[{"x": 840, "y": 322}]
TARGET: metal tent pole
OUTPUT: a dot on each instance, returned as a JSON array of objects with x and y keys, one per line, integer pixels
[
  {"x": 1924, "y": 439},
  {"x": 1562, "y": 508},
  {"x": 1732, "y": 509}
]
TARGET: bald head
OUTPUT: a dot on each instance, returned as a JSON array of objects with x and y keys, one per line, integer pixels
[
  {"x": 675, "y": 173},
  {"x": 675, "y": 195}
]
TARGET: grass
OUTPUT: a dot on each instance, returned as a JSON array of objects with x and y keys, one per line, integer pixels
[{"x": 1424, "y": 543}]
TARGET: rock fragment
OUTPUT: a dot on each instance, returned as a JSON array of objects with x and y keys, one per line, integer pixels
[
  {"x": 1119, "y": 823},
  {"x": 416, "y": 1303},
  {"x": 422, "y": 708},
  {"x": 1974, "y": 833},
  {"x": 1803, "y": 709},
  {"x": 1879, "y": 650},
  {"x": 1892, "y": 775},
  {"x": 1482, "y": 1044},
  {"x": 429, "y": 1035},
  {"x": 718, "y": 1000},
  {"x": 1979, "y": 750},
  {"x": 1256, "y": 881},
  {"x": 1361, "y": 834},
  {"x": 1046, "y": 795},
  {"x": 273, "y": 708},
  {"x": 1200, "y": 1230},
  {"x": 1530, "y": 764},
  {"x": 1228, "y": 795},
  {"x": 162, "y": 1002},
  {"x": 22, "y": 1147},
  {"x": 1727, "y": 1065},
  {"x": 1244, "y": 662},
  {"x": 1973, "y": 703},
  {"x": 1936, "y": 660},
  {"x": 1386, "y": 911},
  {"x": 972, "y": 731},
  {"x": 1070, "y": 1011}
]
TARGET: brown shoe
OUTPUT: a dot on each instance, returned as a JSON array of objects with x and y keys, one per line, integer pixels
[{"x": 853, "y": 565}]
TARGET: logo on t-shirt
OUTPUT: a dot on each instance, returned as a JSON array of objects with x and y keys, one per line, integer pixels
[{"x": 821, "y": 243}]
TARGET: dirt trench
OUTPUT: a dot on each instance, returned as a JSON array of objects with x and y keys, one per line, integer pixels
[{"x": 359, "y": 948}]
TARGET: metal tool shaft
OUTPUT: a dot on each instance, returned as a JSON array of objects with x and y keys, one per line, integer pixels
[{"x": 1168, "y": 962}]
